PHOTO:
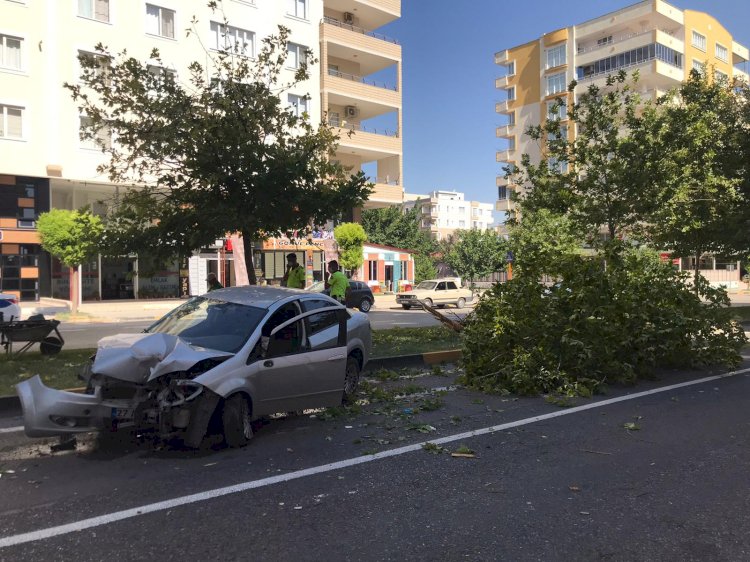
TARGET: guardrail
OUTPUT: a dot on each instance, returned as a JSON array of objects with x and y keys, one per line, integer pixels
[{"x": 361, "y": 79}]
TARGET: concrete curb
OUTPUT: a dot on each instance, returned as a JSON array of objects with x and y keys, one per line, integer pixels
[{"x": 11, "y": 405}]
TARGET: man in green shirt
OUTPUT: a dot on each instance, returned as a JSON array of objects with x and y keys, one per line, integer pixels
[
  {"x": 213, "y": 282},
  {"x": 294, "y": 278},
  {"x": 337, "y": 282}
]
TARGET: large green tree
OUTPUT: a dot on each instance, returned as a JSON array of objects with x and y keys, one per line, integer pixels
[
  {"x": 72, "y": 237},
  {"x": 476, "y": 253},
  {"x": 216, "y": 151},
  {"x": 350, "y": 237}
]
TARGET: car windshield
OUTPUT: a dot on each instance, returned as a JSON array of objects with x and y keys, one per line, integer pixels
[
  {"x": 317, "y": 287},
  {"x": 426, "y": 285},
  {"x": 211, "y": 323}
]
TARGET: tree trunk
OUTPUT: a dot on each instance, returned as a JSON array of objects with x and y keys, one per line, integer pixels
[
  {"x": 696, "y": 271},
  {"x": 73, "y": 286},
  {"x": 247, "y": 244}
]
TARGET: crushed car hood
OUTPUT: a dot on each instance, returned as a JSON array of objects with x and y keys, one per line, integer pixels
[{"x": 140, "y": 358}]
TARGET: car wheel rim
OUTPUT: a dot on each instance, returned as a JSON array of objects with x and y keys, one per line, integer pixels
[
  {"x": 364, "y": 305},
  {"x": 352, "y": 376}
]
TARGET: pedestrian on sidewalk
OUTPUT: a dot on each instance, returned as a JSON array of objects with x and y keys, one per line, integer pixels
[
  {"x": 337, "y": 282},
  {"x": 213, "y": 282}
]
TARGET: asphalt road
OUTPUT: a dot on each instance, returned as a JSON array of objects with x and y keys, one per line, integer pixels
[
  {"x": 546, "y": 484},
  {"x": 86, "y": 335}
]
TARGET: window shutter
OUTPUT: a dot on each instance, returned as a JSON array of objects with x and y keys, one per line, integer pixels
[
  {"x": 167, "y": 23},
  {"x": 15, "y": 122},
  {"x": 101, "y": 10}
]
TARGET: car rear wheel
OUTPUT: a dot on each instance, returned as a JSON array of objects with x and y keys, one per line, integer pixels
[
  {"x": 235, "y": 419},
  {"x": 365, "y": 305},
  {"x": 461, "y": 302},
  {"x": 351, "y": 380},
  {"x": 428, "y": 302}
]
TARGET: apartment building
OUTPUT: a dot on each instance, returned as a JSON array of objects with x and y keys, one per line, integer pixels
[
  {"x": 44, "y": 165},
  {"x": 659, "y": 40},
  {"x": 442, "y": 213}
]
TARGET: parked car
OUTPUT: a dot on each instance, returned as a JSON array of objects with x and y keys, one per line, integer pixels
[
  {"x": 435, "y": 292},
  {"x": 9, "y": 308},
  {"x": 359, "y": 296},
  {"x": 217, "y": 361}
]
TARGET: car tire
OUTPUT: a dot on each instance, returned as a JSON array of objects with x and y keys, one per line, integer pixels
[
  {"x": 460, "y": 303},
  {"x": 351, "y": 380},
  {"x": 235, "y": 421},
  {"x": 365, "y": 305},
  {"x": 50, "y": 346},
  {"x": 428, "y": 302},
  {"x": 405, "y": 306}
]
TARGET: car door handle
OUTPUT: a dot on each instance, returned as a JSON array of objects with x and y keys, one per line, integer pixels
[
  {"x": 336, "y": 357},
  {"x": 268, "y": 363}
]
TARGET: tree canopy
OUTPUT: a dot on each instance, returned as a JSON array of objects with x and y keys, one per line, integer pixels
[
  {"x": 350, "y": 236},
  {"x": 476, "y": 253},
  {"x": 214, "y": 152},
  {"x": 71, "y": 236}
]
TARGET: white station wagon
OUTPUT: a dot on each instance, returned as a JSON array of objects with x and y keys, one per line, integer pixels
[{"x": 435, "y": 292}]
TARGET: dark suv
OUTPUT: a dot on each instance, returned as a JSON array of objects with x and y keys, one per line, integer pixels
[{"x": 360, "y": 294}]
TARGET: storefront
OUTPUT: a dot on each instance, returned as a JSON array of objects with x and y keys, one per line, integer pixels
[{"x": 386, "y": 268}]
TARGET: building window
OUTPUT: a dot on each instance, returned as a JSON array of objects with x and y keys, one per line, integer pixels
[
  {"x": 297, "y": 8},
  {"x": 11, "y": 122},
  {"x": 557, "y": 109},
  {"x": 102, "y": 138},
  {"x": 511, "y": 93},
  {"x": 298, "y": 104},
  {"x": 557, "y": 166},
  {"x": 555, "y": 84},
  {"x": 94, "y": 9},
  {"x": 510, "y": 68},
  {"x": 502, "y": 192},
  {"x": 232, "y": 39},
  {"x": 404, "y": 270},
  {"x": 630, "y": 58},
  {"x": 556, "y": 56},
  {"x": 159, "y": 21},
  {"x": 372, "y": 270},
  {"x": 512, "y": 118},
  {"x": 698, "y": 66},
  {"x": 512, "y": 143},
  {"x": 720, "y": 76},
  {"x": 604, "y": 41},
  {"x": 561, "y": 135},
  {"x": 10, "y": 52},
  {"x": 295, "y": 55},
  {"x": 461, "y": 224},
  {"x": 100, "y": 64},
  {"x": 699, "y": 41},
  {"x": 722, "y": 53}
]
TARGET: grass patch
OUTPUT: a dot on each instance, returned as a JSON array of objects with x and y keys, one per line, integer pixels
[
  {"x": 57, "y": 371},
  {"x": 406, "y": 341}
]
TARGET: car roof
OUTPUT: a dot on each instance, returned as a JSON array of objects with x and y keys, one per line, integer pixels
[{"x": 254, "y": 295}]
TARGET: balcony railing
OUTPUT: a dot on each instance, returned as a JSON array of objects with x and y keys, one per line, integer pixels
[
  {"x": 365, "y": 129},
  {"x": 361, "y": 80},
  {"x": 356, "y": 29},
  {"x": 387, "y": 180},
  {"x": 620, "y": 39}
]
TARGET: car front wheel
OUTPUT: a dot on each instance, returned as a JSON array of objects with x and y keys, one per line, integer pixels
[
  {"x": 405, "y": 306},
  {"x": 428, "y": 302},
  {"x": 235, "y": 420},
  {"x": 365, "y": 305},
  {"x": 351, "y": 380}
]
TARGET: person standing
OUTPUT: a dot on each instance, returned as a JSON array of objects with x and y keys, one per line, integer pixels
[
  {"x": 213, "y": 282},
  {"x": 337, "y": 282},
  {"x": 294, "y": 278}
]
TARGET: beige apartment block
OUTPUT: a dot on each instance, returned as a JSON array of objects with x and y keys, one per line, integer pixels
[
  {"x": 44, "y": 164},
  {"x": 361, "y": 91},
  {"x": 659, "y": 40},
  {"x": 444, "y": 212}
]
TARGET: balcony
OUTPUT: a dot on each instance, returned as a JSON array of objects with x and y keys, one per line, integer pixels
[
  {"x": 345, "y": 89},
  {"x": 371, "y": 51},
  {"x": 657, "y": 14},
  {"x": 387, "y": 194},
  {"x": 504, "y": 205},
  {"x": 508, "y": 155},
  {"x": 740, "y": 53},
  {"x": 368, "y": 13},
  {"x": 626, "y": 42},
  {"x": 367, "y": 143},
  {"x": 741, "y": 75},
  {"x": 503, "y": 81},
  {"x": 505, "y": 131},
  {"x": 501, "y": 57},
  {"x": 503, "y": 106}
]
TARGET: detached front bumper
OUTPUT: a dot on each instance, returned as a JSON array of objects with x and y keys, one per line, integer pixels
[{"x": 48, "y": 412}]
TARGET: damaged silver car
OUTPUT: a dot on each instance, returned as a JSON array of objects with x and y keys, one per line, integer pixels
[{"x": 223, "y": 359}]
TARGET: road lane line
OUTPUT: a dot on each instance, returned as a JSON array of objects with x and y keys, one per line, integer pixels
[
  {"x": 11, "y": 429},
  {"x": 83, "y": 524}
]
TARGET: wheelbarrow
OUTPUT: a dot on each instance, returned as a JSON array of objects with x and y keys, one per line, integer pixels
[{"x": 29, "y": 332}]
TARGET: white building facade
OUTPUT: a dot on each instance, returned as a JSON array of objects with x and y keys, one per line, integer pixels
[{"x": 444, "y": 212}]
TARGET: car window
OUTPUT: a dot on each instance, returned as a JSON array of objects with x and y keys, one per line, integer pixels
[
  {"x": 313, "y": 304},
  {"x": 426, "y": 285},
  {"x": 441, "y": 286},
  {"x": 321, "y": 321},
  {"x": 287, "y": 341},
  {"x": 286, "y": 312},
  {"x": 452, "y": 285}
]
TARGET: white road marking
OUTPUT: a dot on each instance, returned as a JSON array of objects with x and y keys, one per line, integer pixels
[
  {"x": 11, "y": 429},
  {"x": 83, "y": 524}
]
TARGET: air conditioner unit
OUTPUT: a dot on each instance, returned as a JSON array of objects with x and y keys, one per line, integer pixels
[
  {"x": 348, "y": 17},
  {"x": 351, "y": 111}
]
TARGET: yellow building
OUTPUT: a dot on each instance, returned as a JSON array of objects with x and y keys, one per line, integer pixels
[
  {"x": 44, "y": 164},
  {"x": 659, "y": 40}
]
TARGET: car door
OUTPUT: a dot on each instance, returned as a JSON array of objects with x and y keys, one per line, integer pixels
[
  {"x": 452, "y": 292},
  {"x": 440, "y": 293},
  {"x": 294, "y": 374}
]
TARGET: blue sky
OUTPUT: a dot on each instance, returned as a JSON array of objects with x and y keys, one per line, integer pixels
[{"x": 449, "y": 73}]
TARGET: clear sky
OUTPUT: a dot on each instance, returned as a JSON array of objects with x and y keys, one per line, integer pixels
[{"x": 449, "y": 78}]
